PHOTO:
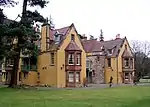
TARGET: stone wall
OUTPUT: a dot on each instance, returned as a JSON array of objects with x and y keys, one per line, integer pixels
[{"x": 97, "y": 68}]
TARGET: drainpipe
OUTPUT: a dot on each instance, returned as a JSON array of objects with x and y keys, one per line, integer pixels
[{"x": 117, "y": 70}]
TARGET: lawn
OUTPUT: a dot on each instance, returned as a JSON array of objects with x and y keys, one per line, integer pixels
[{"x": 126, "y": 96}]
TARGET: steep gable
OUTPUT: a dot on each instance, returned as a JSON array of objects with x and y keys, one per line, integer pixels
[
  {"x": 111, "y": 45},
  {"x": 125, "y": 50},
  {"x": 67, "y": 39}
]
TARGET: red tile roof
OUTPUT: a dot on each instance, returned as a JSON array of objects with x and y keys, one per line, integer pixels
[{"x": 72, "y": 46}]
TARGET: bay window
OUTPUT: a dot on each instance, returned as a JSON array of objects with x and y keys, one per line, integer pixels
[
  {"x": 71, "y": 59},
  {"x": 78, "y": 59},
  {"x": 71, "y": 77},
  {"x": 77, "y": 76},
  {"x": 126, "y": 62}
]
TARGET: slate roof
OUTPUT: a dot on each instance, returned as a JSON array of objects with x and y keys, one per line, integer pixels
[
  {"x": 94, "y": 45},
  {"x": 63, "y": 33},
  {"x": 114, "y": 44}
]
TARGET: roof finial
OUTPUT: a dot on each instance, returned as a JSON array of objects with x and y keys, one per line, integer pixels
[{"x": 101, "y": 36}]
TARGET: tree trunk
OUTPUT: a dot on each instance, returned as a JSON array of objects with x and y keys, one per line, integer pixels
[
  {"x": 14, "y": 73},
  {"x": 24, "y": 10}
]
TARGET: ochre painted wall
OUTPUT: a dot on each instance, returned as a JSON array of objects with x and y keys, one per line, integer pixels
[
  {"x": 61, "y": 74},
  {"x": 116, "y": 71},
  {"x": 48, "y": 74},
  {"x": 31, "y": 78},
  {"x": 111, "y": 71},
  {"x": 120, "y": 57}
]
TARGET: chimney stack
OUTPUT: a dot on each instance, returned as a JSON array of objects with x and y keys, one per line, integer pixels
[{"x": 118, "y": 36}]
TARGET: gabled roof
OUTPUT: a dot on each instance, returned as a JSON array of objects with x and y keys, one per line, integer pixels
[
  {"x": 114, "y": 45},
  {"x": 94, "y": 45},
  {"x": 126, "y": 54},
  {"x": 63, "y": 34},
  {"x": 72, "y": 46}
]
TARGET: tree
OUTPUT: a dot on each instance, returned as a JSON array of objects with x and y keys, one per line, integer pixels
[
  {"x": 7, "y": 3},
  {"x": 24, "y": 33},
  {"x": 141, "y": 51}
]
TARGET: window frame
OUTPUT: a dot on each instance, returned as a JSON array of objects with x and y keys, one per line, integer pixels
[
  {"x": 71, "y": 77},
  {"x": 78, "y": 59},
  {"x": 52, "y": 58},
  {"x": 77, "y": 72},
  {"x": 126, "y": 62},
  {"x": 69, "y": 56},
  {"x": 72, "y": 37},
  {"x": 109, "y": 62}
]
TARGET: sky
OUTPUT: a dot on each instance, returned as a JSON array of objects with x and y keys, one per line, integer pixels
[{"x": 130, "y": 18}]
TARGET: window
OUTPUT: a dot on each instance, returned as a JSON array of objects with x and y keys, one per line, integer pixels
[
  {"x": 126, "y": 75},
  {"x": 110, "y": 51},
  {"x": 126, "y": 62},
  {"x": 109, "y": 62},
  {"x": 71, "y": 77},
  {"x": 87, "y": 64},
  {"x": 77, "y": 76},
  {"x": 125, "y": 46},
  {"x": 71, "y": 59},
  {"x": 78, "y": 59},
  {"x": 98, "y": 58},
  {"x": 52, "y": 58},
  {"x": 72, "y": 37},
  {"x": 25, "y": 75}
]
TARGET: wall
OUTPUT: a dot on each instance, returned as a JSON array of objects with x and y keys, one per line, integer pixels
[
  {"x": 120, "y": 58},
  {"x": 31, "y": 78},
  {"x": 111, "y": 71},
  {"x": 97, "y": 66},
  {"x": 61, "y": 54},
  {"x": 48, "y": 74}
]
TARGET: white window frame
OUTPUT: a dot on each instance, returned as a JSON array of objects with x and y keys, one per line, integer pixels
[
  {"x": 71, "y": 77},
  {"x": 77, "y": 79}
]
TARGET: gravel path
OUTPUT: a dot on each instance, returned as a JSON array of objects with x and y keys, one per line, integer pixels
[{"x": 90, "y": 86}]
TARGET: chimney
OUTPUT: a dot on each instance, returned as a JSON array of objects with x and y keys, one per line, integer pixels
[
  {"x": 83, "y": 37},
  {"x": 45, "y": 36},
  {"x": 118, "y": 36}
]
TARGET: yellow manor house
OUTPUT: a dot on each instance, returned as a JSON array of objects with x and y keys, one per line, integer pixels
[{"x": 67, "y": 59}]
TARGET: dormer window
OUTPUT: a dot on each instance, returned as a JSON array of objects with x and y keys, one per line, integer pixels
[
  {"x": 57, "y": 37},
  {"x": 110, "y": 51},
  {"x": 72, "y": 37}
]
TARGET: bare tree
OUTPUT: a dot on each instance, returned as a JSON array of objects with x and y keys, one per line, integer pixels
[{"x": 141, "y": 51}]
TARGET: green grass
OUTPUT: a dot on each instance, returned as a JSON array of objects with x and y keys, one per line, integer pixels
[{"x": 138, "y": 96}]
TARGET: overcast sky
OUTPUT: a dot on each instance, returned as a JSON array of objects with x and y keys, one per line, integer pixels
[{"x": 130, "y": 18}]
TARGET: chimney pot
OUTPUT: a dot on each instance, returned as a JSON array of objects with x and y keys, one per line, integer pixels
[{"x": 118, "y": 36}]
